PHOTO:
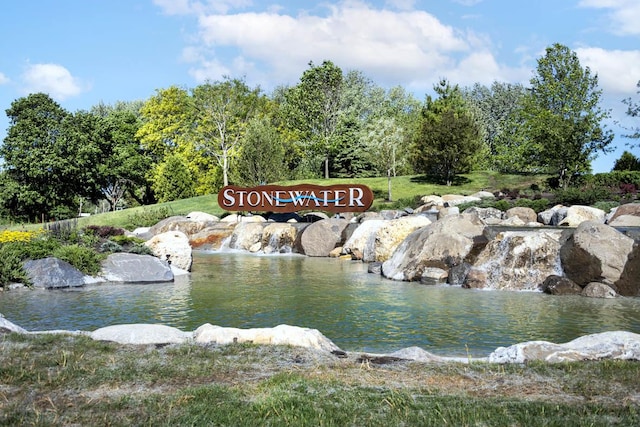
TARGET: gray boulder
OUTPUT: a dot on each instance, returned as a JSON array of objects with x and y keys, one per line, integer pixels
[
  {"x": 7, "y": 327},
  {"x": 187, "y": 225},
  {"x": 557, "y": 285},
  {"x": 133, "y": 268},
  {"x": 629, "y": 209},
  {"x": 247, "y": 236},
  {"x": 598, "y": 290},
  {"x": 595, "y": 253},
  {"x": 141, "y": 334},
  {"x": 619, "y": 345},
  {"x": 553, "y": 216},
  {"x": 527, "y": 215},
  {"x": 321, "y": 237},
  {"x": 629, "y": 282},
  {"x": 174, "y": 246},
  {"x": 53, "y": 273}
]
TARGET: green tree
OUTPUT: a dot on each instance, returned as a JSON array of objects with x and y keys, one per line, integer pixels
[
  {"x": 448, "y": 137},
  {"x": 386, "y": 138},
  {"x": 633, "y": 110},
  {"x": 562, "y": 117},
  {"x": 221, "y": 112},
  {"x": 51, "y": 158},
  {"x": 627, "y": 162},
  {"x": 172, "y": 179},
  {"x": 262, "y": 157},
  {"x": 312, "y": 108}
]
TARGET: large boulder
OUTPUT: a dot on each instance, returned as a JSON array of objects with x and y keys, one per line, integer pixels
[
  {"x": 527, "y": 215},
  {"x": 487, "y": 215},
  {"x": 141, "y": 334},
  {"x": 618, "y": 345},
  {"x": 7, "y": 327},
  {"x": 558, "y": 285},
  {"x": 598, "y": 290},
  {"x": 53, "y": 273},
  {"x": 212, "y": 237},
  {"x": 553, "y": 216},
  {"x": 629, "y": 282},
  {"x": 517, "y": 260},
  {"x": 247, "y": 236},
  {"x": 133, "y": 268},
  {"x": 632, "y": 209},
  {"x": 187, "y": 225},
  {"x": 578, "y": 214},
  {"x": 321, "y": 237},
  {"x": 279, "y": 237},
  {"x": 363, "y": 239},
  {"x": 625, "y": 221},
  {"x": 442, "y": 244},
  {"x": 393, "y": 232},
  {"x": 595, "y": 253},
  {"x": 173, "y": 246},
  {"x": 279, "y": 335}
]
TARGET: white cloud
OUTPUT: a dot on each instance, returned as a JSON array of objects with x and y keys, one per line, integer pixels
[
  {"x": 624, "y": 15},
  {"x": 4, "y": 79},
  {"x": 188, "y": 7},
  {"x": 618, "y": 70},
  {"x": 53, "y": 79}
]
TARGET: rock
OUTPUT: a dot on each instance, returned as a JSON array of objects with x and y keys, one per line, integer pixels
[
  {"x": 618, "y": 345},
  {"x": 432, "y": 200},
  {"x": 632, "y": 209},
  {"x": 363, "y": 239},
  {"x": 484, "y": 195},
  {"x": 143, "y": 233},
  {"x": 416, "y": 354},
  {"x": 279, "y": 335},
  {"x": 53, "y": 273},
  {"x": 202, "y": 217},
  {"x": 525, "y": 214},
  {"x": 7, "y": 327},
  {"x": 629, "y": 282},
  {"x": 579, "y": 214},
  {"x": 625, "y": 221},
  {"x": 389, "y": 214},
  {"x": 434, "y": 276},
  {"x": 284, "y": 217},
  {"x": 374, "y": 268},
  {"x": 557, "y": 285},
  {"x": 485, "y": 214},
  {"x": 595, "y": 253},
  {"x": 321, "y": 237},
  {"x": 447, "y": 211},
  {"x": 141, "y": 334},
  {"x": 514, "y": 221},
  {"x": 176, "y": 245},
  {"x": 458, "y": 274},
  {"x": 517, "y": 260},
  {"x": 451, "y": 200},
  {"x": 212, "y": 237},
  {"x": 133, "y": 268},
  {"x": 336, "y": 252},
  {"x": 442, "y": 244},
  {"x": 180, "y": 223},
  {"x": 392, "y": 233},
  {"x": 279, "y": 237},
  {"x": 246, "y": 234},
  {"x": 598, "y": 290},
  {"x": 235, "y": 218},
  {"x": 553, "y": 216}
]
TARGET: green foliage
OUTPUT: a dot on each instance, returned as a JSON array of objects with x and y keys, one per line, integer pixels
[
  {"x": 262, "y": 156},
  {"x": 13, "y": 254},
  {"x": 561, "y": 116},
  {"x": 615, "y": 179},
  {"x": 172, "y": 179},
  {"x": 104, "y": 230},
  {"x": 633, "y": 110},
  {"x": 449, "y": 136},
  {"x": 84, "y": 259},
  {"x": 147, "y": 217},
  {"x": 627, "y": 162},
  {"x": 587, "y": 195}
]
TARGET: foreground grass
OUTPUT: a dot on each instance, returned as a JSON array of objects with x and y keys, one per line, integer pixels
[{"x": 65, "y": 380}]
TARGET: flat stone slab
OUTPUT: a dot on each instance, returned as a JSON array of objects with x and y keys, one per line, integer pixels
[
  {"x": 133, "y": 268},
  {"x": 141, "y": 333}
]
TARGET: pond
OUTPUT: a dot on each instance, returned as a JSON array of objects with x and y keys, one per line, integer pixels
[{"x": 358, "y": 311}]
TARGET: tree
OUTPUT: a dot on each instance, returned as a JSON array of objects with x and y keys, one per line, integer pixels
[
  {"x": 313, "y": 106},
  {"x": 561, "y": 115},
  {"x": 222, "y": 111},
  {"x": 627, "y": 162},
  {"x": 633, "y": 110},
  {"x": 51, "y": 158},
  {"x": 386, "y": 138},
  {"x": 448, "y": 137},
  {"x": 262, "y": 157},
  {"x": 173, "y": 179}
]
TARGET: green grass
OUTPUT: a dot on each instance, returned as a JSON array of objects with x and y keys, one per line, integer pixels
[{"x": 66, "y": 380}]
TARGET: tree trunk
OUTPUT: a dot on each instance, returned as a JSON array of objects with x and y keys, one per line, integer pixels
[{"x": 326, "y": 167}]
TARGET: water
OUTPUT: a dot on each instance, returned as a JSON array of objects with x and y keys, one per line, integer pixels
[{"x": 356, "y": 310}]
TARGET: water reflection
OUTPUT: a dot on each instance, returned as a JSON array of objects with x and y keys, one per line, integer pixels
[{"x": 358, "y": 311}]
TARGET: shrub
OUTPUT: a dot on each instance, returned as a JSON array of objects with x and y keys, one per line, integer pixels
[
  {"x": 110, "y": 246},
  {"x": 582, "y": 196},
  {"x": 104, "y": 230},
  {"x": 140, "y": 249},
  {"x": 147, "y": 217},
  {"x": 82, "y": 258},
  {"x": 11, "y": 266},
  {"x": 8, "y": 236}
]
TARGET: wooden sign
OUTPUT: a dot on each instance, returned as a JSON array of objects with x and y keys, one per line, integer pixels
[{"x": 278, "y": 198}]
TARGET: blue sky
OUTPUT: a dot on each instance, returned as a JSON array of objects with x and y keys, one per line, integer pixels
[{"x": 83, "y": 52}]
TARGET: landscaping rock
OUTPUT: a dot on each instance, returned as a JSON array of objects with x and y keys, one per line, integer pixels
[
  {"x": 133, "y": 268},
  {"x": 632, "y": 209},
  {"x": 53, "y": 273},
  {"x": 188, "y": 226},
  {"x": 141, "y": 334},
  {"x": 175, "y": 245},
  {"x": 363, "y": 239},
  {"x": 557, "y": 285},
  {"x": 321, "y": 237},
  {"x": 279, "y": 237},
  {"x": 578, "y": 214},
  {"x": 629, "y": 282},
  {"x": 553, "y": 216},
  {"x": 598, "y": 290},
  {"x": 393, "y": 232},
  {"x": 527, "y": 215},
  {"x": 212, "y": 237},
  {"x": 7, "y": 327}
]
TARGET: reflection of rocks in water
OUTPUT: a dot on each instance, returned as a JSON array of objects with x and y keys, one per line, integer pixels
[{"x": 517, "y": 260}]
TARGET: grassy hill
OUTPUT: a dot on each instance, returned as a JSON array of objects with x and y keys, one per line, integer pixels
[{"x": 404, "y": 190}]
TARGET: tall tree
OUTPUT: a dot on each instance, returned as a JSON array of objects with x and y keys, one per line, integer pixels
[
  {"x": 562, "y": 116},
  {"x": 627, "y": 162},
  {"x": 313, "y": 106},
  {"x": 222, "y": 111},
  {"x": 449, "y": 136},
  {"x": 262, "y": 157},
  {"x": 633, "y": 110}
]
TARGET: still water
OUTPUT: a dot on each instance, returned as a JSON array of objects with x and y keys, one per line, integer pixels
[{"x": 356, "y": 310}]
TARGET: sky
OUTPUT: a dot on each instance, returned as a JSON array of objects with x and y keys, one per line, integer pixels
[{"x": 83, "y": 52}]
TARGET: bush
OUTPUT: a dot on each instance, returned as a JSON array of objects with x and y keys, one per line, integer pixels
[
  {"x": 147, "y": 217},
  {"x": 582, "y": 196},
  {"x": 83, "y": 258},
  {"x": 104, "y": 231}
]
